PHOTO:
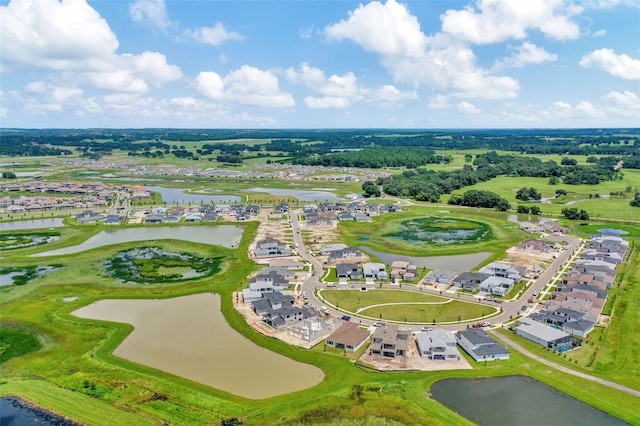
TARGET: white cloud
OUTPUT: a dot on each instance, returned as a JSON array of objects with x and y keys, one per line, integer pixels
[
  {"x": 599, "y": 33},
  {"x": 151, "y": 12},
  {"x": 327, "y": 102},
  {"x": 72, "y": 37},
  {"x": 493, "y": 21},
  {"x": 389, "y": 94},
  {"x": 439, "y": 102},
  {"x": 468, "y": 108},
  {"x": 438, "y": 61},
  {"x": 213, "y": 36},
  {"x": 625, "y": 99},
  {"x": 50, "y": 34},
  {"x": 339, "y": 91},
  {"x": 315, "y": 79},
  {"x": 247, "y": 85},
  {"x": 525, "y": 54},
  {"x": 565, "y": 110},
  {"x": 58, "y": 94},
  {"x": 387, "y": 28},
  {"x": 622, "y": 66}
]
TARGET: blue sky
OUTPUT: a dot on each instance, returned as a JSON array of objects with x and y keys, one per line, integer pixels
[{"x": 320, "y": 64}]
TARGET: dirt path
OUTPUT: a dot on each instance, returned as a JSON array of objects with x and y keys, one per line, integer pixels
[{"x": 525, "y": 352}]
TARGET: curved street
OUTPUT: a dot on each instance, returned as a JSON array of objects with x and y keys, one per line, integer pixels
[{"x": 510, "y": 308}]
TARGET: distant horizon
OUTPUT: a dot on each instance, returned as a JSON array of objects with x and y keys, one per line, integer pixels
[
  {"x": 400, "y": 129},
  {"x": 322, "y": 64}
]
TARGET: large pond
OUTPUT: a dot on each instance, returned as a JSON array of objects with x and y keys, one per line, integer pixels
[
  {"x": 516, "y": 401},
  {"x": 177, "y": 195},
  {"x": 188, "y": 336},
  {"x": 455, "y": 263},
  {"x": 31, "y": 224},
  {"x": 222, "y": 235},
  {"x": 300, "y": 194}
]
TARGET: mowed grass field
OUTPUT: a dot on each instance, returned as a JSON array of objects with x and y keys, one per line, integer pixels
[
  {"x": 579, "y": 196},
  {"x": 405, "y": 306}
]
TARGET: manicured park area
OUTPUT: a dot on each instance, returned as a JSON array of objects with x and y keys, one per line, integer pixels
[{"x": 405, "y": 306}]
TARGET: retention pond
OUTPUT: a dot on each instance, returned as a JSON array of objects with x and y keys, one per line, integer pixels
[
  {"x": 516, "y": 401},
  {"x": 188, "y": 336},
  {"x": 222, "y": 235}
]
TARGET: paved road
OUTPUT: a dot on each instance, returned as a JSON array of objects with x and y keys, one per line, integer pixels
[
  {"x": 511, "y": 309},
  {"x": 525, "y": 352}
]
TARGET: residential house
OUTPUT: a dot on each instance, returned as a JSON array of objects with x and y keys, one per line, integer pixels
[
  {"x": 437, "y": 345},
  {"x": 390, "y": 342},
  {"x": 401, "y": 270},
  {"x": 498, "y": 286},
  {"x": 500, "y": 269},
  {"x": 470, "y": 280},
  {"x": 375, "y": 271},
  {"x": 531, "y": 228},
  {"x": 477, "y": 343},
  {"x": 277, "y": 310},
  {"x": 153, "y": 218},
  {"x": 328, "y": 249},
  {"x": 269, "y": 247},
  {"x": 349, "y": 337},
  {"x": 536, "y": 246},
  {"x": 112, "y": 219},
  {"x": 348, "y": 271},
  {"x": 345, "y": 253},
  {"x": 543, "y": 334},
  {"x": 439, "y": 276}
]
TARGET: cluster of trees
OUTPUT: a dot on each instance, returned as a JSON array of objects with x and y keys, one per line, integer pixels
[
  {"x": 8, "y": 175},
  {"x": 535, "y": 210},
  {"x": 636, "y": 200},
  {"x": 526, "y": 194},
  {"x": 370, "y": 189},
  {"x": 573, "y": 213},
  {"x": 375, "y": 158},
  {"x": 484, "y": 199}
]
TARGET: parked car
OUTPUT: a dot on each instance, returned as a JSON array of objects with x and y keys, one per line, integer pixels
[
  {"x": 426, "y": 328},
  {"x": 535, "y": 293},
  {"x": 324, "y": 309},
  {"x": 485, "y": 324},
  {"x": 346, "y": 317},
  {"x": 379, "y": 324}
]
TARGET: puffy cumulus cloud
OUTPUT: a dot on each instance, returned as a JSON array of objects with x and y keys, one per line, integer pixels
[
  {"x": 525, "y": 54},
  {"x": 493, "y": 21},
  {"x": 213, "y": 36},
  {"x": 151, "y": 12},
  {"x": 390, "y": 95},
  {"x": 315, "y": 79},
  {"x": 246, "y": 85},
  {"x": 468, "y": 108},
  {"x": 72, "y": 38},
  {"x": 339, "y": 91},
  {"x": 58, "y": 94},
  {"x": 388, "y": 29},
  {"x": 626, "y": 99},
  {"x": 56, "y": 35},
  {"x": 326, "y": 102},
  {"x": 440, "y": 101},
  {"x": 622, "y": 66},
  {"x": 581, "y": 110},
  {"x": 439, "y": 61}
]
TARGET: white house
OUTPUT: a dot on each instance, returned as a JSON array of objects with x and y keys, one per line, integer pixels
[{"x": 477, "y": 343}]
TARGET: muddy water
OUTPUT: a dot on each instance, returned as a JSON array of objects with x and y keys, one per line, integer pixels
[{"x": 188, "y": 336}]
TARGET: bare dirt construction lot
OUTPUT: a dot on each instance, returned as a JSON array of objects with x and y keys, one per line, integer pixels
[{"x": 529, "y": 258}]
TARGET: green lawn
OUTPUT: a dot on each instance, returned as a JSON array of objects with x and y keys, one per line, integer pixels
[
  {"x": 350, "y": 300},
  {"x": 454, "y": 311}
]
